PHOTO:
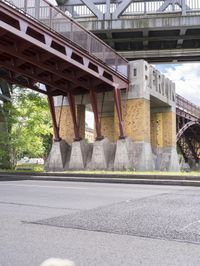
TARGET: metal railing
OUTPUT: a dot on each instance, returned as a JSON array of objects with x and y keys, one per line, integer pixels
[
  {"x": 187, "y": 106},
  {"x": 135, "y": 7},
  {"x": 59, "y": 22}
]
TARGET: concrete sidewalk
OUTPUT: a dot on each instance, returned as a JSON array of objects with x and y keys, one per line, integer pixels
[{"x": 156, "y": 179}]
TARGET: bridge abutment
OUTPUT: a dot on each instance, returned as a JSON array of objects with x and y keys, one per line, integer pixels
[{"x": 149, "y": 121}]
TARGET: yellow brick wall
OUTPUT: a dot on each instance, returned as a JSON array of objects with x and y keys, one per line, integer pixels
[
  {"x": 107, "y": 127},
  {"x": 136, "y": 117},
  {"x": 81, "y": 119},
  {"x": 66, "y": 123},
  {"x": 169, "y": 129},
  {"x": 163, "y": 130}
]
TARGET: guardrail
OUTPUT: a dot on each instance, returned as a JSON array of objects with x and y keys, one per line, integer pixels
[
  {"x": 59, "y": 22},
  {"x": 187, "y": 106}
]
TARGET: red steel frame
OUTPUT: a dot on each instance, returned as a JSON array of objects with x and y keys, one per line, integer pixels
[{"x": 30, "y": 53}]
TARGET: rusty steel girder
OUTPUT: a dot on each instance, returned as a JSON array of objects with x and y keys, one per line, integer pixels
[{"x": 32, "y": 53}]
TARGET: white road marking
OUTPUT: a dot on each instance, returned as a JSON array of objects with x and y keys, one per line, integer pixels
[{"x": 63, "y": 187}]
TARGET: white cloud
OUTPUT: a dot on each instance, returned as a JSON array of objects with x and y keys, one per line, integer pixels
[{"x": 187, "y": 80}]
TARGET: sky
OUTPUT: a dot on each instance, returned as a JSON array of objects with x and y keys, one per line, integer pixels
[{"x": 186, "y": 77}]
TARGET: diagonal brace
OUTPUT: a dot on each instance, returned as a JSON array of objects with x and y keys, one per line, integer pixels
[
  {"x": 93, "y": 98},
  {"x": 117, "y": 98},
  {"x": 56, "y": 129},
  {"x": 72, "y": 105}
]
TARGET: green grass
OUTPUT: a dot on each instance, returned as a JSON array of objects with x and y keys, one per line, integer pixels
[
  {"x": 26, "y": 168},
  {"x": 40, "y": 169},
  {"x": 96, "y": 172}
]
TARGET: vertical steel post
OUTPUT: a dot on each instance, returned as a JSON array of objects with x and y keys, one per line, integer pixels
[
  {"x": 107, "y": 15},
  {"x": 37, "y": 9},
  {"x": 93, "y": 98},
  {"x": 25, "y": 6},
  {"x": 117, "y": 98},
  {"x": 53, "y": 116},
  {"x": 72, "y": 105}
]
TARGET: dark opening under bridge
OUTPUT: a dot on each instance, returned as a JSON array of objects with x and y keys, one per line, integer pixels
[{"x": 41, "y": 45}]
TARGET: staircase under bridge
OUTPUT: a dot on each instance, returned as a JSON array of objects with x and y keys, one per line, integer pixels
[{"x": 134, "y": 105}]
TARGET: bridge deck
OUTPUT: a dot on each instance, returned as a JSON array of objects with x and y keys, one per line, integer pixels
[
  {"x": 37, "y": 53},
  {"x": 156, "y": 30}
]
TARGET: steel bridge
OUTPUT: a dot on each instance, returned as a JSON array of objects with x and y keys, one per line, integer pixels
[
  {"x": 67, "y": 63},
  {"x": 188, "y": 128},
  {"x": 155, "y": 30},
  {"x": 40, "y": 44}
]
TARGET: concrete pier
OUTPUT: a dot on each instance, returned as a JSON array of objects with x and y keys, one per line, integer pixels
[{"x": 149, "y": 119}]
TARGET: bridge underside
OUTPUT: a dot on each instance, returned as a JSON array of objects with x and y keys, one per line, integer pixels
[
  {"x": 151, "y": 38},
  {"x": 157, "y": 31},
  {"x": 31, "y": 54}
]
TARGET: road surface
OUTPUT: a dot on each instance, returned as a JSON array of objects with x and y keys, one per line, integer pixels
[{"x": 99, "y": 224}]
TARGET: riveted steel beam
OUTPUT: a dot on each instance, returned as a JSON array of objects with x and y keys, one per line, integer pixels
[
  {"x": 72, "y": 104},
  {"x": 56, "y": 130}
]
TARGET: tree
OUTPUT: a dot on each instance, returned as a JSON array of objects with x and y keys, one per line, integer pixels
[
  {"x": 60, "y": 2},
  {"x": 30, "y": 123},
  {"x": 5, "y": 98}
]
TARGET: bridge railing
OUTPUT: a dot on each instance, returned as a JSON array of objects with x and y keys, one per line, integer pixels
[
  {"x": 187, "y": 106},
  {"x": 59, "y": 22},
  {"x": 135, "y": 7}
]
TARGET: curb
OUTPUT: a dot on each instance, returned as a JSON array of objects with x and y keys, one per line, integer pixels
[{"x": 115, "y": 179}]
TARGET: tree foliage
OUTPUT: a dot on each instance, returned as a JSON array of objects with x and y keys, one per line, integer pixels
[
  {"x": 60, "y": 2},
  {"x": 30, "y": 125}
]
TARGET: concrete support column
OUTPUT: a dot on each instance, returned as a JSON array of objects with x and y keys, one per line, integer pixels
[
  {"x": 163, "y": 129},
  {"x": 136, "y": 117},
  {"x": 163, "y": 138}
]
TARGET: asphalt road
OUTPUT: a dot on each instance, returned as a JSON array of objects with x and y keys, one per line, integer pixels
[{"x": 99, "y": 224}]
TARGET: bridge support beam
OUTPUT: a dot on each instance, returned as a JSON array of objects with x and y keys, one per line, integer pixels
[
  {"x": 149, "y": 119},
  {"x": 72, "y": 104},
  {"x": 93, "y": 98},
  {"x": 53, "y": 116},
  {"x": 64, "y": 115}
]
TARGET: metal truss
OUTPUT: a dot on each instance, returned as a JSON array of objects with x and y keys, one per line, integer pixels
[
  {"x": 188, "y": 139},
  {"x": 188, "y": 128},
  {"x": 114, "y": 9}
]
